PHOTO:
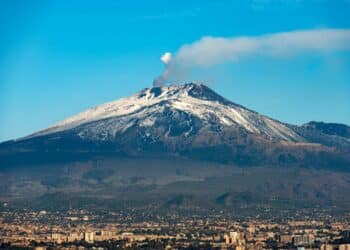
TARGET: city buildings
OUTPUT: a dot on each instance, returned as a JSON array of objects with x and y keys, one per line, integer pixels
[{"x": 57, "y": 230}]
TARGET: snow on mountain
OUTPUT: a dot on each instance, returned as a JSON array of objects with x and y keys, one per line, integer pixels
[{"x": 145, "y": 107}]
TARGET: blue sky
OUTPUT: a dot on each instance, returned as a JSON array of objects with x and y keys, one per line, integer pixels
[{"x": 58, "y": 58}]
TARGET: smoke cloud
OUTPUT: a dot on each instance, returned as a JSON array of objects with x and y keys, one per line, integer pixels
[
  {"x": 166, "y": 58},
  {"x": 162, "y": 79},
  {"x": 210, "y": 50}
]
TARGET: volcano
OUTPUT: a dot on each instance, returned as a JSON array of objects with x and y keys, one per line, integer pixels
[
  {"x": 191, "y": 121},
  {"x": 178, "y": 141}
]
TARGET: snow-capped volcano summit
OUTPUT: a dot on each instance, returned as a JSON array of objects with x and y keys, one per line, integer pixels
[{"x": 146, "y": 108}]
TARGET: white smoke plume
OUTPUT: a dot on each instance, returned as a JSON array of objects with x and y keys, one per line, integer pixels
[
  {"x": 163, "y": 78},
  {"x": 166, "y": 58},
  {"x": 215, "y": 50}
]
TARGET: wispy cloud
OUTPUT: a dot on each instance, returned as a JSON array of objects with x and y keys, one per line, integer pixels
[{"x": 214, "y": 50}]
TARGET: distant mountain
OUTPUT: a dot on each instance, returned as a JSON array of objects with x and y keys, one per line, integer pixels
[
  {"x": 179, "y": 145},
  {"x": 328, "y": 134},
  {"x": 333, "y": 129},
  {"x": 189, "y": 120}
]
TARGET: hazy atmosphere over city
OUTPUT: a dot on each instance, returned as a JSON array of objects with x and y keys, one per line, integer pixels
[{"x": 175, "y": 124}]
